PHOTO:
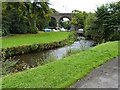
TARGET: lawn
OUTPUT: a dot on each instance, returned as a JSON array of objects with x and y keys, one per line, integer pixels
[
  {"x": 65, "y": 72},
  {"x": 29, "y": 39}
]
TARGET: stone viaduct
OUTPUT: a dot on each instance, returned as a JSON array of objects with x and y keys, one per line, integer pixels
[{"x": 59, "y": 16}]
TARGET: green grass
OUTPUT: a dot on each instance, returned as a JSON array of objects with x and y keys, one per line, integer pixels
[
  {"x": 65, "y": 72},
  {"x": 29, "y": 39}
]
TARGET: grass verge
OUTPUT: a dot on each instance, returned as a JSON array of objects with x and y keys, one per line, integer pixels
[
  {"x": 29, "y": 39},
  {"x": 61, "y": 74}
]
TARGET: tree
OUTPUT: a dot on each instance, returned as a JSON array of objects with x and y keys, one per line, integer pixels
[
  {"x": 13, "y": 18},
  {"x": 114, "y": 21},
  {"x": 78, "y": 19},
  {"x": 53, "y": 23},
  {"x": 38, "y": 15},
  {"x": 106, "y": 26},
  {"x": 65, "y": 24},
  {"x": 88, "y": 24},
  {"x": 25, "y": 17}
]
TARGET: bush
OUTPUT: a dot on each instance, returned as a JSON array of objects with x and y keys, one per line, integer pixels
[
  {"x": 4, "y": 31},
  {"x": 6, "y": 66},
  {"x": 115, "y": 36},
  {"x": 105, "y": 24}
]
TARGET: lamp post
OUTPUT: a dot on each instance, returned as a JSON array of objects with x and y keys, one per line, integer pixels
[{"x": 65, "y": 8}]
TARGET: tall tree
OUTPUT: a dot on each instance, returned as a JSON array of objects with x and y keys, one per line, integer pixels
[
  {"x": 106, "y": 26},
  {"x": 78, "y": 19},
  {"x": 13, "y": 18},
  {"x": 25, "y": 17},
  {"x": 38, "y": 15},
  {"x": 88, "y": 24}
]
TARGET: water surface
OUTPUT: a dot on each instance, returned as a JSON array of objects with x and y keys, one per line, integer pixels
[{"x": 33, "y": 59}]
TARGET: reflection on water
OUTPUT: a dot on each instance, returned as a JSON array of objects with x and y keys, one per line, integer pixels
[
  {"x": 82, "y": 44},
  {"x": 32, "y": 58},
  {"x": 29, "y": 60}
]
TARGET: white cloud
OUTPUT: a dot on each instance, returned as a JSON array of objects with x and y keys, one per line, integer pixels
[{"x": 67, "y": 6}]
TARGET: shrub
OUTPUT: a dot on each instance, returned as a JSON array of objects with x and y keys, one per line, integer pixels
[{"x": 4, "y": 31}]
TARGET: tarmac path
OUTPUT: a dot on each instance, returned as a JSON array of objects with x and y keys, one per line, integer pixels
[{"x": 105, "y": 76}]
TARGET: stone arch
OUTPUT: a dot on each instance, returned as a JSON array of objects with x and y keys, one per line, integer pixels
[
  {"x": 65, "y": 17},
  {"x": 58, "y": 16},
  {"x": 66, "y": 25}
]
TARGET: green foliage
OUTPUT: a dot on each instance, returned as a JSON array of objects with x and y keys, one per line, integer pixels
[
  {"x": 78, "y": 19},
  {"x": 63, "y": 73},
  {"x": 54, "y": 11},
  {"x": 51, "y": 58},
  {"x": 53, "y": 22},
  {"x": 4, "y": 32},
  {"x": 65, "y": 24},
  {"x": 24, "y": 17},
  {"x": 12, "y": 19},
  {"x": 34, "y": 47},
  {"x": 88, "y": 24},
  {"x": 106, "y": 23},
  {"x": 6, "y": 66}
]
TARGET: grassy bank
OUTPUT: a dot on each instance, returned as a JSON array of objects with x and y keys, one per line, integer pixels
[
  {"x": 20, "y": 44},
  {"x": 65, "y": 72},
  {"x": 29, "y": 39}
]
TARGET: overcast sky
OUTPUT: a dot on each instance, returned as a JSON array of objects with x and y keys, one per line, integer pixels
[{"x": 67, "y": 6}]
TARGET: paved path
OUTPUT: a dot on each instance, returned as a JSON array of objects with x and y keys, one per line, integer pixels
[{"x": 106, "y": 76}]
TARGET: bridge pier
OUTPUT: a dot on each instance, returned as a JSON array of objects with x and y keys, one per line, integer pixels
[
  {"x": 58, "y": 24},
  {"x": 58, "y": 16}
]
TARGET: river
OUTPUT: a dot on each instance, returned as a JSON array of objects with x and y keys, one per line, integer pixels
[{"x": 33, "y": 59}]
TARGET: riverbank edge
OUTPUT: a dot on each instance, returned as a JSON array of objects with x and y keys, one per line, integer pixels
[
  {"x": 66, "y": 64},
  {"x": 12, "y": 51}
]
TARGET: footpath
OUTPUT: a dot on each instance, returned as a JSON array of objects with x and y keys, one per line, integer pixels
[{"x": 105, "y": 76}]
